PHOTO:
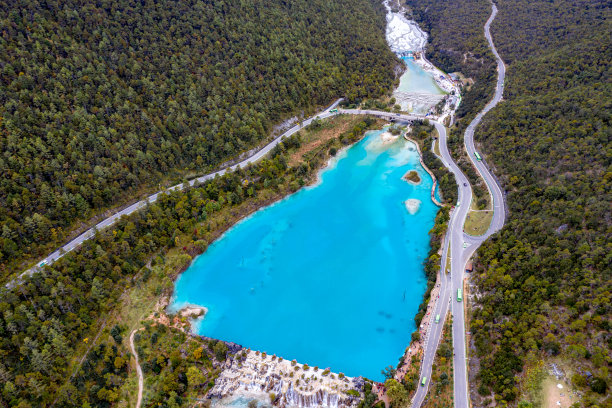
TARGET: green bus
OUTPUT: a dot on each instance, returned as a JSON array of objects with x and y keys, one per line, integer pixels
[
  {"x": 333, "y": 110},
  {"x": 477, "y": 156},
  {"x": 459, "y": 295},
  {"x": 438, "y": 318},
  {"x": 423, "y": 381}
]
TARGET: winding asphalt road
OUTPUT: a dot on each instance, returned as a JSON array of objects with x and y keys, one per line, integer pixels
[
  {"x": 463, "y": 246},
  {"x": 75, "y": 243}
]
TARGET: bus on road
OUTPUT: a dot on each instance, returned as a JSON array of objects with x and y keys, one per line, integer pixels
[
  {"x": 333, "y": 110},
  {"x": 438, "y": 318},
  {"x": 459, "y": 295},
  {"x": 424, "y": 381},
  {"x": 477, "y": 156}
]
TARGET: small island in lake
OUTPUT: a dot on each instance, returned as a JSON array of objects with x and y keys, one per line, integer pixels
[{"x": 412, "y": 177}]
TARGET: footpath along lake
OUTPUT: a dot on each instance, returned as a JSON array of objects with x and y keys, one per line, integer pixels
[{"x": 331, "y": 276}]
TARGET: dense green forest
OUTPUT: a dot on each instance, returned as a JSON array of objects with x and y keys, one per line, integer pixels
[
  {"x": 545, "y": 280},
  {"x": 101, "y": 100}
]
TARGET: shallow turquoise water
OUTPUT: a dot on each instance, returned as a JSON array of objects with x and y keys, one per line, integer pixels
[
  {"x": 331, "y": 276},
  {"x": 415, "y": 79}
]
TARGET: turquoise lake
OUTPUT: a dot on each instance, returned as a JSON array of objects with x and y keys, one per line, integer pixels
[
  {"x": 416, "y": 79},
  {"x": 331, "y": 276}
]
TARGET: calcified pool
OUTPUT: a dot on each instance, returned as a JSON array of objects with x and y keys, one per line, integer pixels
[{"x": 331, "y": 276}]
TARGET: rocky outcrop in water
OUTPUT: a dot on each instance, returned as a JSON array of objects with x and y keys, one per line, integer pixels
[{"x": 270, "y": 379}]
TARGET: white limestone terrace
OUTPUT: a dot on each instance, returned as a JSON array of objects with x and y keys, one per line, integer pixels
[
  {"x": 402, "y": 34},
  {"x": 252, "y": 375}
]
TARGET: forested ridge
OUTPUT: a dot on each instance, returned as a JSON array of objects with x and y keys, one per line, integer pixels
[
  {"x": 102, "y": 100},
  {"x": 545, "y": 281}
]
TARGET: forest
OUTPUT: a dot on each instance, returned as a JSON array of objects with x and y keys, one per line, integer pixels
[
  {"x": 545, "y": 281},
  {"x": 102, "y": 101}
]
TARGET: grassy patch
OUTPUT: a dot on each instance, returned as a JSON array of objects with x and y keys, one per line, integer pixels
[
  {"x": 539, "y": 387},
  {"x": 436, "y": 148},
  {"x": 440, "y": 394},
  {"x": 477, "y": 222}
]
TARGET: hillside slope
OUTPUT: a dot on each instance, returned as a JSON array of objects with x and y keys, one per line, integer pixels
[
  {"x": 100, "y": 100},
  {"x": 545, "y": 280}
]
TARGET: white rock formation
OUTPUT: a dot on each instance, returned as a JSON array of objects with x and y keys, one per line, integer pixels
[
  {"x": 402, "y": 34},
  {"x": 293, "y": 385},
  {"x": 412, "y": 205}
]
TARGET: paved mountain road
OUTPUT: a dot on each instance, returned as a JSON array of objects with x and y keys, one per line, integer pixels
[{"x": 463, "y": 246}]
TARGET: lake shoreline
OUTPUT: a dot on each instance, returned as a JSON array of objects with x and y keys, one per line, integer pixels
[
  {"x": 315, "y": 179},
  {"x": 398, "y": 156}
]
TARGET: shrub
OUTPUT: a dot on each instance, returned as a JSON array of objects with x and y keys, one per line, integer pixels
[
  {"x": 220, "y": 351},
  {"x": 599, "y": 385}
]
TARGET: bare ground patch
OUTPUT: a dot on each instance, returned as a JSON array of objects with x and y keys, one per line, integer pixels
[{"x": 313, "y": 138}]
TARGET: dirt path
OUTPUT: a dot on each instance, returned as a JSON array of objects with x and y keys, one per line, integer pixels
[{"x": 138, "y": 369}]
